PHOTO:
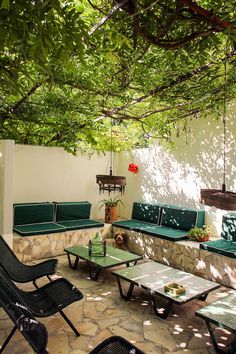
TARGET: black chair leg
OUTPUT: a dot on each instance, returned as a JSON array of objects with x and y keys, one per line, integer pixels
[
  {"x": 35, "y": 284},
  {"x": 69, "y": 323},
  {"x": 8, "y": 339}
]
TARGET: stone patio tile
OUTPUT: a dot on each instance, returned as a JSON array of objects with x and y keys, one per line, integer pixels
[
  {"x": 191, "y": 351},
  {"x": 158, "y": 332},
  {"x": 79, "y": 343},
  {"x": 104, "y": 334},
  {"x": 53, "y": 324},
  {"x": 106, "y": 323},
  {"x": 130, "y": 335},
  {"x": 148, "y": 347},
  {"x": 88, "y": 328},
  {"x": 58, "y": 344}
]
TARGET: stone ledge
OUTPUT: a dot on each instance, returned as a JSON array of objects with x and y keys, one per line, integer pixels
[
  {"x": 30, "y": 248},
  {"x": 184, "y": 255}
]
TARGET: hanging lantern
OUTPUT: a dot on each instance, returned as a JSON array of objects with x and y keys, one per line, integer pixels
[
  {"x": 109, "y": 182},
  {"x": 221, "y": 199}
]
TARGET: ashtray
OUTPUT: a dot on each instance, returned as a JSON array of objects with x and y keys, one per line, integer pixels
[{"x": 174, "y": 289}]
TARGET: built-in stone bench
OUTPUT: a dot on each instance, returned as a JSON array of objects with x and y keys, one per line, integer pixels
[
  {"x": 30, "y": 248},
  {"x": 185, "y": 255}
]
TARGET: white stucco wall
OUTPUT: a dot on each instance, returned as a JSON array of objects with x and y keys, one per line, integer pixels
[
  {"x": 6, "y": 192},
  {"x": 176, "y": 176},
  {"x": 52, "y": 174}
]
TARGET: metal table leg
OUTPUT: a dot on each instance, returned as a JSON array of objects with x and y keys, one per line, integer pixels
[
  {"x": 203, "y": 297},
  {"x": 93, "y": 274},
  {"x": 128, "y": 264},
  {"x": 167, "y": 309},
  {"x": 75, "y": 264},
  {"x": 232, "y": 347},
  {"x": 126, "y": 296}
]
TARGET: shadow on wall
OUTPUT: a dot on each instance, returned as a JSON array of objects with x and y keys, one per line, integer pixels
[{"x": 176, "y": 176}]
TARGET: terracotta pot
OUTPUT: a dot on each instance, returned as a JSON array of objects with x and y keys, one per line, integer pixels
[
  {"x": 206, "y": 238},
  {"x": 111, "y": 214}
]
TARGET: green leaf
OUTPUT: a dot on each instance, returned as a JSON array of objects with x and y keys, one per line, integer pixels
[{"x": 5, "y": 4}]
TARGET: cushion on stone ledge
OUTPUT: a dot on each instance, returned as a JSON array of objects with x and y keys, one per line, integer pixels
[
  {"x": 38, "y": 229},
  {"x": 222, "y": 247},
  {"x": 131, "y": 224},
  {"x": 166, "y": 233},
  {"x": 32, "y": 213},
  {"x": 80, "y": 224},
  {"x": 147, "y": 212},
  {"x": 66, "y": 211},
  {"x": 181, "y": 218},
  {"x": 229, "y": 227}
]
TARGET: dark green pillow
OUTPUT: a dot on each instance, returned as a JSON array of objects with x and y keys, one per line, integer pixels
[
  {"x": 72, "y": 211},
  {"x": 146, "y": 212},
  {"x": 33, "y": 213},
  {"x": 178, "y": 218},
  {"x": 229, "y": 227}
]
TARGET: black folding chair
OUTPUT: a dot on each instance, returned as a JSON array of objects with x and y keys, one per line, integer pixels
[
  {"x": 21, "y": 272},
  {"x": 33, "y": 331},
  {"x": 47, "y": 300},
  {"x": 116, "y": 345}
]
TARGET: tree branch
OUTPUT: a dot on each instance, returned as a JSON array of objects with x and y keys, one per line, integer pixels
[
  {"x": 17, "y": 105},
  {"x": 105, "y": 18},
  {"x": 206, "y": 14},
  {"x": 180, "y": 79}
]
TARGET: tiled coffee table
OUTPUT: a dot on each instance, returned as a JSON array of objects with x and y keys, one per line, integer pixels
[
  {"x": 114, "y": 257},
  {"x": 152, "y": 276},
  {"x": 221, "y": 313}
]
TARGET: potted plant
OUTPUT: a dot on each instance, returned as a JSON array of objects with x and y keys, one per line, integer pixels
[
  {"x": 200, "y": 234},
  {"x": 111, "y": 208}
]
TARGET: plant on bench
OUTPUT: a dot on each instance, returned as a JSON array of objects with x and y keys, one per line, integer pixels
[{"x": 200, "y": 234}]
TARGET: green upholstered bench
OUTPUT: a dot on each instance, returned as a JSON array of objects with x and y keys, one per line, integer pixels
[
  {"x": 35, "y": 219},
  {"x": 226, "y": 245},
  {"x": 175, "y": 222},
  {"x": 164, "y": 221},
  {"x": 143, "y": 215},
  {"x": 75, "y": 215}
]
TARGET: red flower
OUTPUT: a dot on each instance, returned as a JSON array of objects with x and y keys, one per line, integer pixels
[{"x": 133, "y": 168}]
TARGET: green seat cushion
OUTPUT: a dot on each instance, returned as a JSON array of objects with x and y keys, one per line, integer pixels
[
  {"x": 166, "y": 233},
  {"x": 38, "y": 229},
  {"x": 146, "y": 212},
  {"x": 72, "y": 211},
  {"x": 80, "y": 224},
  {"x": 32, "y": 213},
  {"x": 223, "y": 247},
  {"x": 181, "y": 218},
  {"x": 229, "y": 227},
  {"x": 131, "y": 224}
]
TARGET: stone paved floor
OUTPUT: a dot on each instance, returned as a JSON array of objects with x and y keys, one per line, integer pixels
[{"x": 103, "y": 313}]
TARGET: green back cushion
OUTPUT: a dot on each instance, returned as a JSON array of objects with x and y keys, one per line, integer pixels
[
  {"x": 72, "y": 211},
  {"x": 31, "y": 213},
  {"x": 178, "y": 218},
  {"x": 229, "y": 227},
  {"x": 146, "y": 212}
]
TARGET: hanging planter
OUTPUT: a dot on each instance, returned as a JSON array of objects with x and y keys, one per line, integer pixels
[
  {"x": 111, "y": 183},
  {"x": 221, "y": 199}
]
